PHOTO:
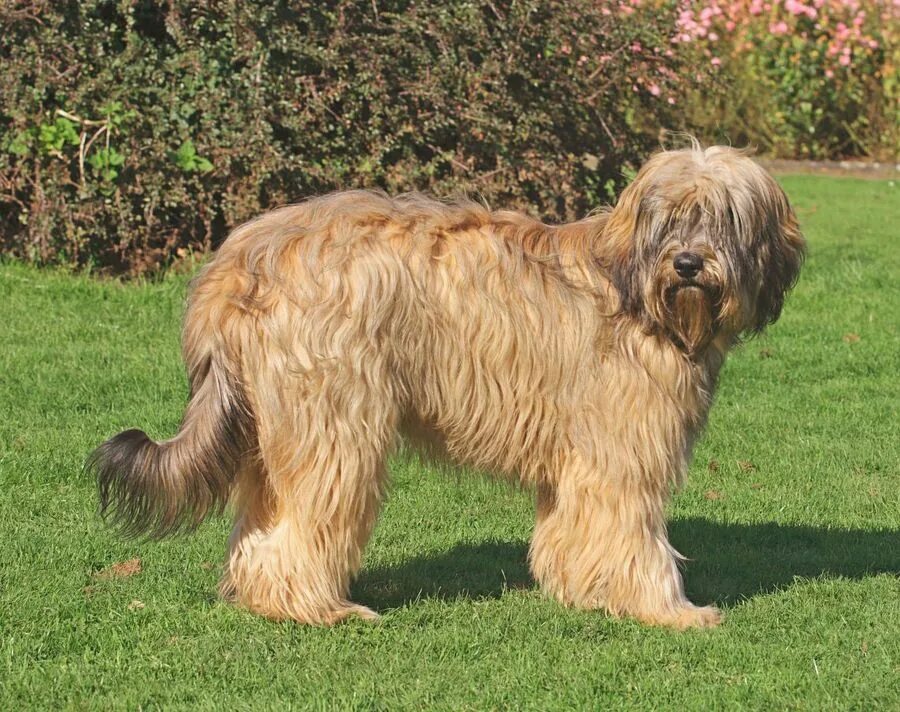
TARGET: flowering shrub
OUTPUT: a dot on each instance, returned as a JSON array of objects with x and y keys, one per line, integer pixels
[{"x": 802, "y": 79}]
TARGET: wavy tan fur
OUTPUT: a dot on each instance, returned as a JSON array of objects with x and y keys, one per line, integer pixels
[{"x": 572, "y": 358}]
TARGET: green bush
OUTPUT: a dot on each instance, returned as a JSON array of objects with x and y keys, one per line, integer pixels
[{"x": 135, "y": 131}]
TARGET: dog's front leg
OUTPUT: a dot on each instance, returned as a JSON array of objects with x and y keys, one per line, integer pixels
[{"x": 600, "y": 542}]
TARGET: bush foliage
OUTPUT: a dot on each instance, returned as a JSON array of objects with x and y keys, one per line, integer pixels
[
  {"x": 136, "y": 130},
  {"x": 133, "y": 132}
]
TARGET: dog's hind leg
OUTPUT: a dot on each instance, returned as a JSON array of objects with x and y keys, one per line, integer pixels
[
  {"x": 254, "y": 511},
  {"x": 302, "y": 527},
  {"x": 602, "y": 544}
]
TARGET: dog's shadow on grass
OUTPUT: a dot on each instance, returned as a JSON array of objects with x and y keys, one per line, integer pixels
[{"x": 727, "y": 563}]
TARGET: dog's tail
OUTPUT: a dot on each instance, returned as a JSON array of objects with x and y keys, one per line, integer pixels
[{"x": 160, "y": 488}]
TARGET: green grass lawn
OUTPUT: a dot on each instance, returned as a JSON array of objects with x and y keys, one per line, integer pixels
[{"x": 791, "y": 521}]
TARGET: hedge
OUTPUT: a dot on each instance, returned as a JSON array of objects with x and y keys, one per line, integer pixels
[{"x": 136, "y": 131}]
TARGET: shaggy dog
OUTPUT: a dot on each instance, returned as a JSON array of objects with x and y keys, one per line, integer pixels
[{"x": 578, "y": 359}]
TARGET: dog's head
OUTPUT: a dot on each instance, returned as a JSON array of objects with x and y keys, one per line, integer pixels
[{"x": 703, "y": 242}]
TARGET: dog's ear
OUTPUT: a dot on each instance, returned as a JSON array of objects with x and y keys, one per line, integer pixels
[
  {"x": 619, "y": 247},
  {"x": 780, "y": 256}
]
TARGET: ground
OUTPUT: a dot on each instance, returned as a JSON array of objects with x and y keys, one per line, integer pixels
[{"x": 790, "y": 520}]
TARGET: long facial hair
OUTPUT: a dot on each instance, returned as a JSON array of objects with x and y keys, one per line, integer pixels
[
  {"x": 691, "y": 317},
  {"x": 687, "y": 310}
]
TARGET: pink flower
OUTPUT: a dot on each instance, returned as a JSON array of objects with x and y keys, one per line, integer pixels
[
  {"x": 829, "y": 73},
  {"x": 671, "y": 99},
  {"x": 844, "y": 60},
  {"x": 715, "y": 61},
  {"x": 654, "y": 89}
]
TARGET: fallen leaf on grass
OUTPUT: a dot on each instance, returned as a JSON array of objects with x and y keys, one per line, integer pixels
[
  {"x": 713, "y": 466},
  {"x": 765, "y": 353},
  {"x": 122, "y": 569},
  {"x": 851, "y": 338},
  {"x": 746, "y": 465},
  {"x": 135, "y": 605},
  {"x": 756, "y": 485},
  {"x": 713, "y": 495}
]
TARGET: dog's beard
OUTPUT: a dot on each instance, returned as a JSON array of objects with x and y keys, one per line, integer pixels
[{"x": 691, "y": 316}]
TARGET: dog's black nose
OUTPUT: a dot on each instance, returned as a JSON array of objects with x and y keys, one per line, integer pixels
[{"x": 687, "y": 264}]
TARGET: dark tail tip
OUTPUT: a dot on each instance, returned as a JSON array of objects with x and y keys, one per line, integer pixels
[{"x": 127, "y": 468}]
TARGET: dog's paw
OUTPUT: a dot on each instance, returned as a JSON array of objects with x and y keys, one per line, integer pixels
[
  {"x": 349, "y": 612},
  {"x": 698, "y": 617},
  {"x": 366, "y": 614},
  {"x": 688, "y": 616}
]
